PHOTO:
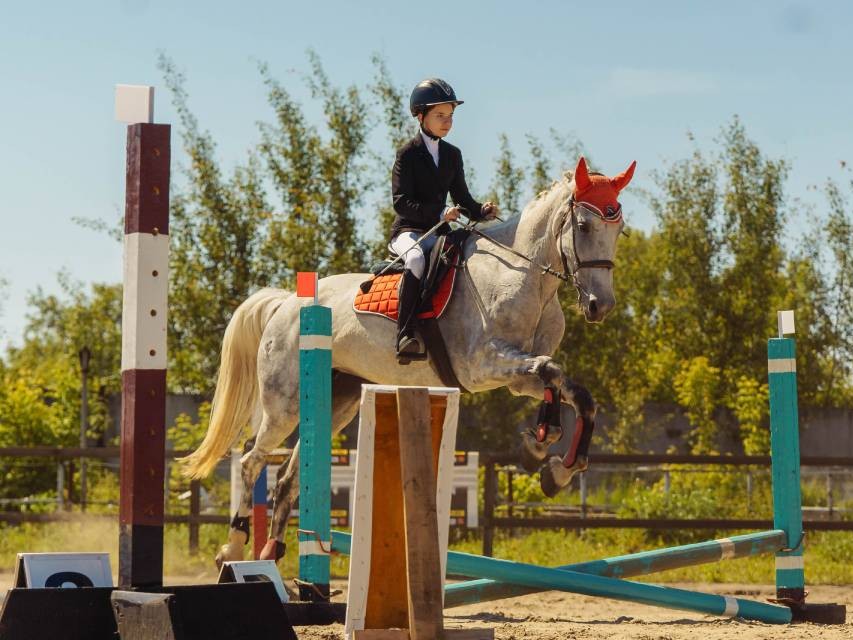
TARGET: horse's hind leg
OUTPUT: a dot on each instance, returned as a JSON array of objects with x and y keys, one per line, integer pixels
[
  {"x": 346, "y": 392},
  {"x": 273, "y": 430}
]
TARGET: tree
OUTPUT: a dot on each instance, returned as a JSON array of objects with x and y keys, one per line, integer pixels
[
  {"x": 509, "y": 179},
  {"x": 399, "y": 126},
  {"x": 40, "y": 380},
  {"x": 215, "y": 258}
]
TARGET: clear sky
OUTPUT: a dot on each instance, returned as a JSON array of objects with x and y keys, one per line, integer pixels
[{"x": 628, "y": 78}]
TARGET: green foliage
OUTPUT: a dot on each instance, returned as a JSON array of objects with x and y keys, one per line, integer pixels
[
  {"x": 751, "y": 409},
  {"x": 391, "y": 101},
  {"x": 828, "y": 554},
  {"x": 490, "y": 421},
  {"x": 40, "y": 386},
  {"x": 509, "y": 178},
  {"x": 695, "y": 386},
  {"x": 697, "y": 295}
]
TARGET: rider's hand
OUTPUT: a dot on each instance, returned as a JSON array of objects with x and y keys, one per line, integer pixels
[
  {"x": 490, "y": 211},
  {"x": 451, "y": 214}
]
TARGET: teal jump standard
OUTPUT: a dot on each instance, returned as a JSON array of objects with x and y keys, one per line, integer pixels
[
  {"x": 315, "y": 434},
  {"x": 785, "y": 453}
]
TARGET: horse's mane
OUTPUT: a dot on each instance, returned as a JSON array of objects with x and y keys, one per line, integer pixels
[{"x": 506, "y": 230}]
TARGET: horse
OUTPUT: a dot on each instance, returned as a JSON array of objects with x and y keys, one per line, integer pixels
[{"x": 502, "y": 325}]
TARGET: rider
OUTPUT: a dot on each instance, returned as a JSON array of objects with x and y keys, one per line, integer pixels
[{"x": 425, "y": 169}]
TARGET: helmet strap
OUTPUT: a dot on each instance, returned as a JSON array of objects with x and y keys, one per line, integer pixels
[{"x": 428, "y": 133}]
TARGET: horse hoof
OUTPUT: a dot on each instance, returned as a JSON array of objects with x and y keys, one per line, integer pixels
[
  {"x": 547, "y": 482},
  {"x": 273, "y": 550},
  {"x": 553, "y": 476},
  {"x": 531, "y": 453},
  {"x": 227, "y": 554}
]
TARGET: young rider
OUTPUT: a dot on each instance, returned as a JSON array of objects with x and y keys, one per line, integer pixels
[{"x": 425, "y": 170}]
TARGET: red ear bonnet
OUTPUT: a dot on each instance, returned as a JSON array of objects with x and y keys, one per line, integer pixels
[
  {"x": 621, "y": 181},
  {"x": 582, "y": 181},
  {"x": 600, "y": 191}
]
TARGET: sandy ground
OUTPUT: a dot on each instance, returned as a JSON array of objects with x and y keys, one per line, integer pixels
[{"x": 565, "y": 616}]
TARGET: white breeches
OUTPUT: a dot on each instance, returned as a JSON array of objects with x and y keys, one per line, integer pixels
[{"x": 415, "y": 260}]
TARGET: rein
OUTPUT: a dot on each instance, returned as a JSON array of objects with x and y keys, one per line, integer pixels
[{"x": 568, "y": 274}]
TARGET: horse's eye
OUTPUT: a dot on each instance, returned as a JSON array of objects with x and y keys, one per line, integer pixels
[{"x": 583, "y": 226}]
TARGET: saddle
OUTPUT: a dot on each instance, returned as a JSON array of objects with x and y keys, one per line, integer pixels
[{"x": 381, "y": 299}]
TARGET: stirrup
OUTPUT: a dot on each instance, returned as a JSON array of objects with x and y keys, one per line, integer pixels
[{"x": 404, "y": 355}]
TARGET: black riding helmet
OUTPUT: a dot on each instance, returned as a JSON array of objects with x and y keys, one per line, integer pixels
[{"x": 429, "y": 93}]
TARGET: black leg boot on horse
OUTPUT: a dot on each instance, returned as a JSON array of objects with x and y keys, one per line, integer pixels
[{"x": 409, "y": 345}]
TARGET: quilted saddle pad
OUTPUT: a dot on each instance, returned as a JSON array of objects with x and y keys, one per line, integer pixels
[{"x": 382, "y": 299}]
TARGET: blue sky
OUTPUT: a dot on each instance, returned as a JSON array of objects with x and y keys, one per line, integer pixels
[{"x": 628, "y": 78}]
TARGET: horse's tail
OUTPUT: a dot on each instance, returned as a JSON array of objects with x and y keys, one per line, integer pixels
[{"x": 236, "y": 392}]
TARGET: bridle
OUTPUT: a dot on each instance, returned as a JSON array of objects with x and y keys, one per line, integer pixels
[
  {"x": 569, "y": 272},
  {"x": 611, "y": 217}
]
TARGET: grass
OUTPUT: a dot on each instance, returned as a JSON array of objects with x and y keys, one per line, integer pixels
[{"x": 828, "y": 556}]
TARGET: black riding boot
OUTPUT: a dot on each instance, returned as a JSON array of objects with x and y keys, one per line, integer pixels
[{"x": 408, "y": 346}]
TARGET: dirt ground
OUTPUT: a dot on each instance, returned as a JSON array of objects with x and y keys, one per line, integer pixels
[{"x": 565, "y": 616}]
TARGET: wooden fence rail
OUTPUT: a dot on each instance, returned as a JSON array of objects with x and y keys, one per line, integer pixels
[{"x": 493, "y": 463}]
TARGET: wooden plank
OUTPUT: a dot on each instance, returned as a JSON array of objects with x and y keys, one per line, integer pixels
[
  {"x": 469, "y": 634},
  {"x": 102, "y": 453},
  {"x": 509, "y": 458},
  {"x": 419, "y": 507},
  {"x": 146, "y": 616},
  {"x": 387, "y": 603},
  {"x": 381, "y": 634},
  {"x": 660, "y": 524},
  {"x": 68, "y": 453}
]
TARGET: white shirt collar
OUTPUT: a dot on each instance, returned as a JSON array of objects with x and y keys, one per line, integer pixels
[{"x": 431, "y": 145}]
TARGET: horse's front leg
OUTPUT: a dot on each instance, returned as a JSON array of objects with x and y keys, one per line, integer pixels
[{"x": 539, "y": 376}]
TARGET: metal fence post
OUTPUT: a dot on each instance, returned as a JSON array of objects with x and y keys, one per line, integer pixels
[{"x": 195, "y": 509}]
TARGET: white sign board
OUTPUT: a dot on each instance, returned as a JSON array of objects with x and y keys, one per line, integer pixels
[
  {"x": 253, "y": 571},
  {"x": 63, "y": 570},
  {"x": 134, "y": 103},
  {"x": 786, "y": 323}
]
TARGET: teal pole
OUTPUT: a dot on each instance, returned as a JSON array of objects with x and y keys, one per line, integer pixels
[
  {"x": 315, "y": 435},
  {"x": 627, "y": 566},
  {"x": 573, "y": 581},
  {"x": 635, "y": 564},
  {"x": 544, "y": 579},
  {"x": 785, "y": 459}
]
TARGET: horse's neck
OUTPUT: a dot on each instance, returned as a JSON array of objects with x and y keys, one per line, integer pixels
[{"x": 532, "y": 235}]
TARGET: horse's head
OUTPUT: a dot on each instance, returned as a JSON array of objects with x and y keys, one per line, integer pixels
[{"x": 588, "y": 237}]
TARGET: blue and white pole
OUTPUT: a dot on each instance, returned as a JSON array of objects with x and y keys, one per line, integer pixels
[
  {"x": 785, "y": 457},
  {"x": 315, "y": 435}
]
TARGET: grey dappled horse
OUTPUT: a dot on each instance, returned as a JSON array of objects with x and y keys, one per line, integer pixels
[{"x": 502, "y": 326}]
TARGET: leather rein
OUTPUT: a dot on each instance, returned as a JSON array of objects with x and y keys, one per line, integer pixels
[{"x": 568, "y": 274}]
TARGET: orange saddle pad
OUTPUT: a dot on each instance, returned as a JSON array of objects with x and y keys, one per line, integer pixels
[{"x": 382, "y": 299}]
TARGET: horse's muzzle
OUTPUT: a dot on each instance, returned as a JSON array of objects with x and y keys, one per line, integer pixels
[{"x": 595, "y": 309}]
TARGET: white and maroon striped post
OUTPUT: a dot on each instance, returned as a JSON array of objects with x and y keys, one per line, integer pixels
[{"x": 143, "y": 358}]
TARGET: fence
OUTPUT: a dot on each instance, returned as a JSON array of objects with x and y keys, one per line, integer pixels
[
  {"x": 493, "y": 464},
  {"x": 194, "y": 518},
  {"x": 587, "y": 518}
]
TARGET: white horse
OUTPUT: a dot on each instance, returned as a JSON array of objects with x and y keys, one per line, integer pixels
[{"x": 501, "y": 327}]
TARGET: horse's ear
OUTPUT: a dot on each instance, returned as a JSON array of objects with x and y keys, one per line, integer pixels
[
  {"x": 621, "y": 181},
  {"x": 582, "y": 181}
]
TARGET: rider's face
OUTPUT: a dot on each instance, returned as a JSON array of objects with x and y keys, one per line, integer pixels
[{"x": 439, "y": 119}]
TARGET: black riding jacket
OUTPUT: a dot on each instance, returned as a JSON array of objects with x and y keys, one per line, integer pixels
[{"x": 420, "y": 188}]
